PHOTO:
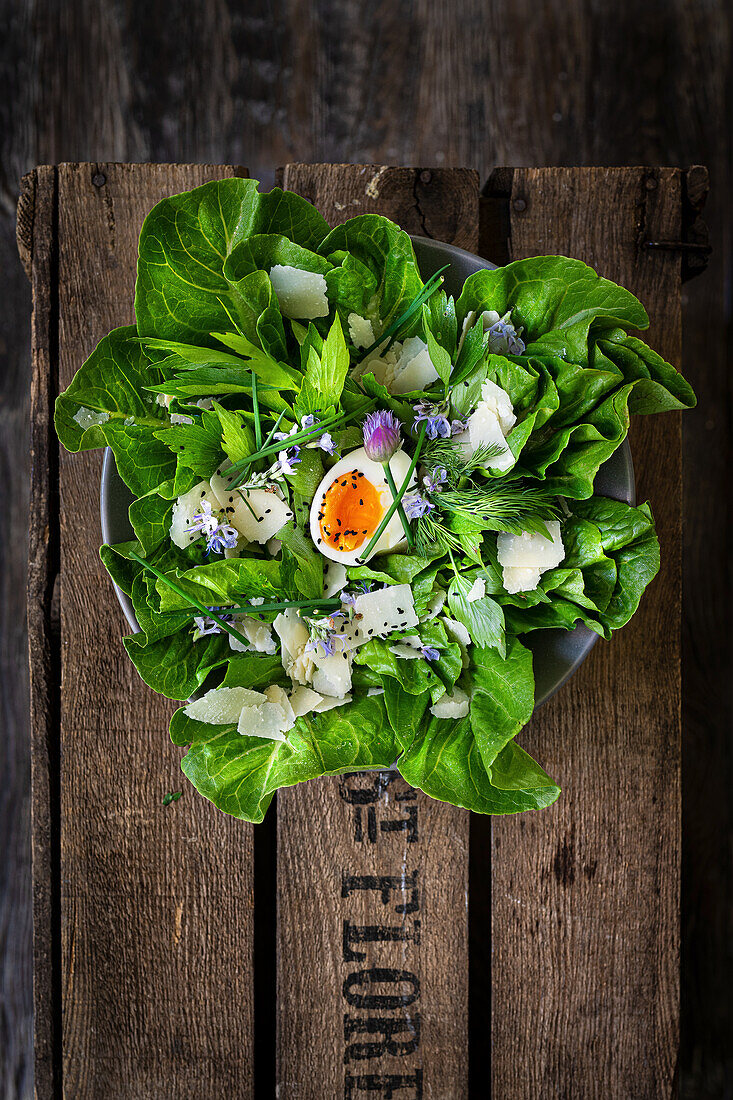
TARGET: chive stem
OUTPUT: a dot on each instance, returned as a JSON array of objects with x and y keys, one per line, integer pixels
[
  {"x": 191, "y": 599},
  {"x": 401, "y": 511},
  {"x": 298, "y": 437},
  {"x": 326, "y": 603},
  {"x": 256, "y": 411},
  {"x": 401, "y": 492},
  {"x": 430, "y": 287}
]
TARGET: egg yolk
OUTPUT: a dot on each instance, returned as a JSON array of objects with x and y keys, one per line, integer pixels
[{"x": 350, "y": 511}]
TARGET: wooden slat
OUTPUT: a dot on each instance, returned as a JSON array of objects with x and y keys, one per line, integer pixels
[
  {"x": 155, "y": 904},
  {"x": 365, "y": 856},
  {"x": 38, "y": 244},
  {"x": 586, "y": 895}
]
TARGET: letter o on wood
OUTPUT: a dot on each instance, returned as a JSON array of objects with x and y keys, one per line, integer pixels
[{"x": 377, "y": 976}]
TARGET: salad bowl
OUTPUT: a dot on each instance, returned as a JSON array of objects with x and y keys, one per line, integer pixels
[{"x": 557, "y": 653}]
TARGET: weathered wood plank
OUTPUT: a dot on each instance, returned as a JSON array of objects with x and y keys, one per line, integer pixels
[
  {"x": 37, "y": 237},
  {"x": 585, "y": 937},
  {"x": 155, "y": 902},
  {"x": 372, "y": 876}
]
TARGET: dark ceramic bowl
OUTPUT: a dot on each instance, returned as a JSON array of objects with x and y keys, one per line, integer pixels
[{"x": 557, "y": 653}]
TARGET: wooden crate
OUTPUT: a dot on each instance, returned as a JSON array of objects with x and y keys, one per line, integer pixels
[{"x": 365, "y": 939}]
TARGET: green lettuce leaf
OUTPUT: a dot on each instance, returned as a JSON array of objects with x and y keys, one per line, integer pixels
[{"x": 182, "y": 292}]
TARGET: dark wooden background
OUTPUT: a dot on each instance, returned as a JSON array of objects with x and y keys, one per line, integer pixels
[{"x": 407, "y": 82}]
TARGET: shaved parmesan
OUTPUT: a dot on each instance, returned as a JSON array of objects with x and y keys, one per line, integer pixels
[
  {"x": 525, "y": 557},
  {"x": 335, "y": 579},
  {"x": 257, "y": 633},
  {"x": 488, "y": 426},
  {"x": 301, "y": 294},
  {"x": 499, "y": 401},
  {"x": 520, "y": 578},
  {"x": 279, "y": 697},
  {"x": 332, "y": 675},
  {"x": 386, "y": 610},
  {"x": 457, "y": 632},
  {"x": 328, "y": 703},
  {"x": 454, "y": 705},
  {"x": 184, "y": 511},
  {"x": 303, "y": 700},
  {"x": 292, "y": 632},
  {"x": 434, "y": 605},
  {"x": 255, "y": 513},
  {"x": 360, "y": 331},
  {"x": 477, "y": 591},
  {"x": 264, "y": 720},
  {"x": 403, "y": 367},
  {"x": 222, "y": 706}
]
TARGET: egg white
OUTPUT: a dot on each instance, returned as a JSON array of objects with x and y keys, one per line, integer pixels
[{"x": 393, "y": 537}]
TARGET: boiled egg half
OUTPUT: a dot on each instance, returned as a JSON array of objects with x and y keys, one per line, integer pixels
[{"x": 351, "y": 502}]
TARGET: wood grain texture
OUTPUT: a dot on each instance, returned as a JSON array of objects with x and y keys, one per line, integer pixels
[
  {"x": 479, "y": 83},
  {"x": 585, "y": 896},
  {"x": 37, "y": 239},
  {"x": 327, "y": 838},
  {"x": 156, "y": 902}
]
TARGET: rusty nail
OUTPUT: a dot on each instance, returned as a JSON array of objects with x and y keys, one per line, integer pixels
[
  {"x": 425, "y": 176},
  {"x": 99, "y": 179},
  {"x": 519, "y": 205}
]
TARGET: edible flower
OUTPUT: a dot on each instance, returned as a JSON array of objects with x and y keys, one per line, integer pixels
[
  {"x": 504, "y": 339},
  {"x": 437, "y": 422},
  {"x": 327, "y": 444},
  {"x": 205, "y": 625},
  {"x": 430, "y": 653},
  {"x": 288, "y": 460},
  {"x": 382, "y": 437},
  {"x": 219, "y": 536},
  {"x": 433, "y": 482},
  {"x": 416, "y": 506}
]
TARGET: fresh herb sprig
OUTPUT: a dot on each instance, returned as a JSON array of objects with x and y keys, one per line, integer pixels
[{"x": 513, "y": 506}]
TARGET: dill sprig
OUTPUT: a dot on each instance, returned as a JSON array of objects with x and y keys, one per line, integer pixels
[
  {"x": 512, "y": 506},
  {"x": 457, "y": 465}
]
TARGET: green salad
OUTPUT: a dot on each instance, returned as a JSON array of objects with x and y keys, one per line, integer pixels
[{"x": 356, "y": 496}]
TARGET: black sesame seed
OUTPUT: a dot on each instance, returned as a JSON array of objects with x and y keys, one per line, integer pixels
[
  {"x": 370, "y": 631},
  {"x": 267, "y": 511},
  {"x": 203, "y": 493},
  {"x": 260, "y": 519},
  {"x": 231, "y": 499},
  {"x": 400, "y": 610},
  {"x": 361, "y": 502}
]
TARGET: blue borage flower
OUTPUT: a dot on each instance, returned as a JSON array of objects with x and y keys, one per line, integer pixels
[
  {"x": 382, "y": 436},
  {"x": 417, "y": 506},
  {"x": 504, "y": 338},
  {"x": 437, "y": 421},
  {"x": 430, "y": 653},
  {"x": 204, "y": 625},
  {"x": 433, "y": 481},
  {"x": 289, "y": 459},
  {"x": 220, "y": 536}
]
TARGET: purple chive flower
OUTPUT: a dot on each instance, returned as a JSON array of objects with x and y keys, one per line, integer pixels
[
  {"x": 430, "y": 653},
  {"x": 433, "y": 481},
  {"x": 381, "y": 435},
  {"x": 416, "y": 506},
  {"x": 504, "y": 338},
  {"x": 289, "y": 459},
  {"x": 438, "y": 425}
]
